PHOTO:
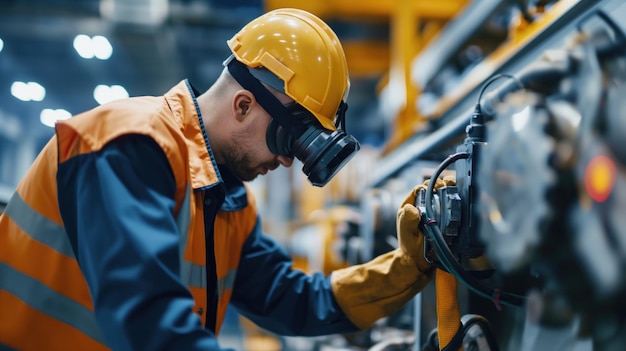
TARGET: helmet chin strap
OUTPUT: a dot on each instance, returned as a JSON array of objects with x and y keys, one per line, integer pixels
[{"x": 341, "y": 116}]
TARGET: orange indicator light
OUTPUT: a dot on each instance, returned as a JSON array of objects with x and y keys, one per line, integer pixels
[{"x": 600, "y": 178}]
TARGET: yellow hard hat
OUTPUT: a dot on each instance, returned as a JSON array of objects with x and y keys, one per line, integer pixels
[{"x": 304, "y": 52}]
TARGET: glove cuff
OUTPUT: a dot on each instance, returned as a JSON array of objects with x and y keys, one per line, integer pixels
[{"x": 378, "y": 288}]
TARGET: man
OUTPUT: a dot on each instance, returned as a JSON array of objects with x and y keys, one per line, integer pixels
[{"x": 134, "y": 228}]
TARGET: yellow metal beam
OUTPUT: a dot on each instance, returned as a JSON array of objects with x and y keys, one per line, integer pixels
[
  {"x": 405, "y": 43},
  {"x": 508, "y": 49},
  {"x": 413, "y": 23},
  {"x": 426, "y": 9},
  {"x": 367, "y": 58}
]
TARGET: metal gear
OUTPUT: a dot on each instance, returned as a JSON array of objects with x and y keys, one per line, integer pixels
[{"x": 516, "y": 175}]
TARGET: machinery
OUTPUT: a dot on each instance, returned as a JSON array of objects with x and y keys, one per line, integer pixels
[
  {"x": 533, "y": 137},
  {"x": 521, "y": 101}
]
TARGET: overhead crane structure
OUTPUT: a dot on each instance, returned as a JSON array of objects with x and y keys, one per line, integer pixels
[
  {"x": 412, "y": 25},
  {"x": 524, "y": 43}
]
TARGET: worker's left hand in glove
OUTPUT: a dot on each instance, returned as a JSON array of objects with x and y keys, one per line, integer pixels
[{"x": 380, "y": 287}]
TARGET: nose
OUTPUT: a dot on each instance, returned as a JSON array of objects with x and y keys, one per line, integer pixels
[{"x": 285, "y": 161}]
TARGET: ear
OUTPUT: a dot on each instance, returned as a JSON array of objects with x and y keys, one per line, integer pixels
[{"x": 242, "y": 103}]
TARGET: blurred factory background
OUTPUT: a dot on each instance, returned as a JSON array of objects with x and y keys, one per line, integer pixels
[
  {"x": 62, "y": 57},
  {"x": 417, "y": 69}
]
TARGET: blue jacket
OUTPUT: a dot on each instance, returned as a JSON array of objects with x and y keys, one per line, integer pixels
[{"x": 118, "y": 204}]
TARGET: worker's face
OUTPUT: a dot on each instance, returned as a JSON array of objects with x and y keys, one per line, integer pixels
[{"x": 248, "y": 154}]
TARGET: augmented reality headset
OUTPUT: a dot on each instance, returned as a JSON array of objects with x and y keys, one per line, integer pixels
[{"x": 295, "y": 132}]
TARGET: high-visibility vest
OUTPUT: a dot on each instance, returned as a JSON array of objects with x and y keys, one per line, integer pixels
[{"x": 45, "y": 303}]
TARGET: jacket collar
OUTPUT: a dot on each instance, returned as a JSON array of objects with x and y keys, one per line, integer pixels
[{"x": 205, "y": 173}]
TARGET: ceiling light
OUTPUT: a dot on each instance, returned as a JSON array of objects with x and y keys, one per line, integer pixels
[
  {"x": 101, "y": 47},
  {"x": 104, "y": 93},
  {"x": 49, "y": 117},
  {"x": 31, "y": 91},
  {"x": 82, "y": 44},
  {"x": 1, "y": 45},
  {"x": 97, "y": 46}
]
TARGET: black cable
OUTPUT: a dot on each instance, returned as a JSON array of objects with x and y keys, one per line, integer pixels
[
  {"x": 445, "y": 255},
  {"x": 430, "y": 220},
  {"x": 523, "y": 7},
  {"x": 447, "y": 259},
  {"x": 492, "y": 80}
]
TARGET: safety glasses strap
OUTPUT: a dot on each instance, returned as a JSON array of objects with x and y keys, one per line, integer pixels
[{"x": 268, "y": 101}]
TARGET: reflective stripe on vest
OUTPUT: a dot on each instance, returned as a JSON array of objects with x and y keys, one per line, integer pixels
[
  {"x": 34, "y": 293},
  {"x": 38, "y": 227},
  {"x": 226, "y": 283},
  {"x": 47, "y": 301},
  {"x": 192, "y": 275}
]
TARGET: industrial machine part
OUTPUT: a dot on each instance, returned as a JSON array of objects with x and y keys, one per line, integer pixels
[
  {"x": 540, "y": 174},
  {"x": 517, "y": 177},
  {"x": 552, "y": 185},
  {"x": 451, "y": 225},
  {"x": 475, "y": 334}
]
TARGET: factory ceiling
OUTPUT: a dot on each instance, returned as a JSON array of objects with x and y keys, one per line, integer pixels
[{"x": 153, "y": 45}]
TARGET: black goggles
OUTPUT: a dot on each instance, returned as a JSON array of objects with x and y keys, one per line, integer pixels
[{"x": 295, "y": 132}]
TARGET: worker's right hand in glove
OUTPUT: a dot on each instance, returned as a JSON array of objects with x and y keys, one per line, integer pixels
[
  {"x": 410, "y": 238},
  {"x": 380, "y": 287}
]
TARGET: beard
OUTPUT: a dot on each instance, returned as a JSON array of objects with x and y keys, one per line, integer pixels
[{"x": 240, "y": 160}]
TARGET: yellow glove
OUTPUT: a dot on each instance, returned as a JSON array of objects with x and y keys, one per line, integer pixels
[
  {"x": 376, "y": 289},
  {"x": 410, "y": 239}
]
